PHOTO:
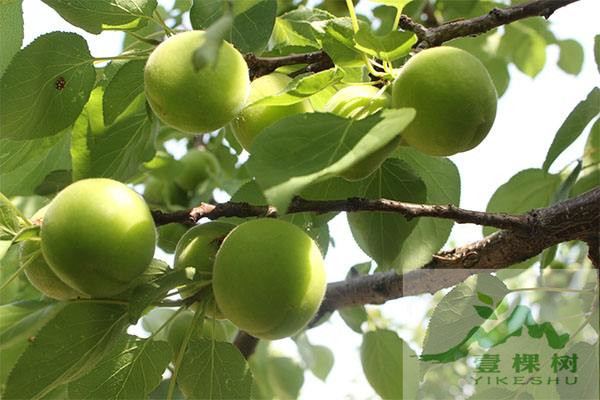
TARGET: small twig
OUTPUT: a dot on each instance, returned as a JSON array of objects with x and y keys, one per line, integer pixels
[
  {"x": 260, "y": 66},
  {"x": 355, "y": 204}
]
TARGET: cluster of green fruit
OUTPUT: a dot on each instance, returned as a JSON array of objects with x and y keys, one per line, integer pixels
[
  {"x": 450, "y": 89},
  {"x": 98, "y": 237}
]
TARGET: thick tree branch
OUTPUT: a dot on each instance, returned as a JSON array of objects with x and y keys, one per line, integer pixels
[
  {"x": 434, "y": 35},
  {"x": 575, "y": 219},
  {"x": 356, "y": 204}
]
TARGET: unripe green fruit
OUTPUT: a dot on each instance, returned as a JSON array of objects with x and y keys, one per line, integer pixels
[
  {"x": 253, "y": 119},
  {"x": 197, "y": 248},
  {"x": 454, "y": 97},
  {"x": 197, "y": 166},
  {"x": 358, "y": 102},
  {"x": 178, "y": 327},
  {"x": 269, "y": 278},
  {"x": 97, "y": 236},
  {"x": 41, "y": 276},
  {"x": 189, "y": 100}
]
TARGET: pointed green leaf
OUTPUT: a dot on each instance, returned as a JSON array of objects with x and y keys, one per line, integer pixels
[
  {"x": 573, "y": 126},
  {"x": 285, "y": 376},
  {"x": 131, "y": 370},
  {"x": 502, "y": 306},
  {"x": 390, "y": 47},
  {"x": 597, "y": 51},
  {"x": 122, "y": 89},
  {"x": 442, "y": 179},
  {"x": 379, "y": 234},
  {"x": 214, "y": 370},
  {"x": 484, "y": 312},
  {"x": 318, "y": 359},
  {"x": 11, "y": 30},
  {"x": 484, "y": 298},
  {"x": 252, "y": 24},
  {"x": 398, "y": 4},
  {"x": 304, "y": 149},
  {"x": 94, "y": 16},
  {"x": 384, "y": 357},
  {"x": 571, "y": 56},
  {"x": 526, "y": 190},
  {"x": 45, "y": 87},
  {"x": 67, "y": 347},
  {"x": 302, "y": 87}
]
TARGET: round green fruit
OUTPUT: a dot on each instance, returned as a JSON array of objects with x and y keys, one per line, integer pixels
[
  {"x": 269, "y": 278},
  {"x": 253, "y": 119},
  {"x": 197, "y": 166},
  {"x": 193, "y": 100},
  {"x": 178, "y": 327},
  {"x": 41, "y": 276},
  {"x": 197, "y": 248},
  {"x": 454, "y": 97},
  {"x": 360, "y": 101},
  {"x": 97, "y": 236}
]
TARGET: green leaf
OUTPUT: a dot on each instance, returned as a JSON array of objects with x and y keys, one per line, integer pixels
[
  {"x": 526, "y": 47},
  {"x": 67, "y": 347},
  {"x": 36, "y": 160},
  {"x": 590, "y": 174},
  {"x": 302, "y": 87},
  {"x": 442, "y": 179},
  {"x": 123, "y": 89},
  {"x": 385, "y": 359},
  {"x": 252, "y": 24},
  {"x": 573, "y": 126},
  {"x": 389, "y": 47},
  {"x": 571, "y": 56},
  {"x": 380, "y": 234},
  {"x": 587, "y": 372},
  {"x": 526, "y": 190},
  {"x": 338, "y": 43},
  {"x": 214, "y": 370},
  {"x": 94, "y": 16},
  {"x": 45, "y": 87},
  {"x": 397, "y": 4},
  {"x": 119, "y": 150},
  {"x": 9, "y": 219},
  {"x": 456, "y": 314},
  {"x": 19, "y": 288},
  {"x": 300, "y": 150},
  {"x": 597, "y": 51},
  {"x": 498, "y": 70},
  {"x": 285, "y": 376},
  {"x": 318, "y": 359},
  {"x": 11, "y": 30},
  {"x": 484, "y": 312},
  {"x": 131, "y": 370},
  {"x": 484, "y": 298}
]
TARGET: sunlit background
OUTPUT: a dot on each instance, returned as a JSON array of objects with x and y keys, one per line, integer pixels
[{"x": 529, "y": 115}]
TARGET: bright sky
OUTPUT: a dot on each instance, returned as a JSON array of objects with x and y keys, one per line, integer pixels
[{"x": 529, "y": 115}]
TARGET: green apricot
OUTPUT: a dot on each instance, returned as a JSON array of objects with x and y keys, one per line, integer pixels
[
  {"x": 197, "y": 166},
  {"x": 178, "y": 327},
  {"x": 253, "y": 119},
  {"x": 454, "y": 97},
  {"x": 360, "y": 101},
  {"x": 97, "y": 236},
  {"x": 269, "y": 278},
  {"x": 41, "y": 276},
  {"x": 191, "y": 100},
  {"x": 197, "y": 248}
]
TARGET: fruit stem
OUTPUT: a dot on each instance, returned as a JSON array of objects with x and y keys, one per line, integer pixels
[
  {"x": 161, "y": 22},
  {"x": 31, "y": 259},
  {"x": 198, "y": 316},
  {"x": 7, "y": 202},
  {"x": 352, "y": 13}
]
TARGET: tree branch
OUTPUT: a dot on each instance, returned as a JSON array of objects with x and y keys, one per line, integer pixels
[
  {"x": 355, "y": 204},
  {"x": 245, "y": 343},
  {"x": 573, "y": 219},
  {"x": 432, "y": 36}
]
